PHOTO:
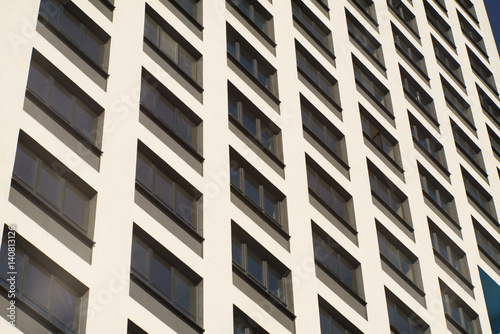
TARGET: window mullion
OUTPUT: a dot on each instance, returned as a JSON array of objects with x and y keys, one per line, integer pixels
[
  {"x": 244, "y": 255},
  {"x": 80, "y": 35},
  {"x": 51, "y": 294}
]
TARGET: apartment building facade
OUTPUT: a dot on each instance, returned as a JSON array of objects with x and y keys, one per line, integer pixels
[{"x": 249, "y": 166}]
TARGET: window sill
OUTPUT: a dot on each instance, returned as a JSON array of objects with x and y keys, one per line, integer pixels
[
  {"x": 167, "y": 59},
  {"x": 377, "y": 102},
  {"x": 412, "y": 284},
  {"x": 394, "y": 214},
  {"x": 360, "y": 44},
  {"x": 187, "y": 15},
  {"x": 421, "y": 107},
  {"x": 488, "y": 256},
  {"x": 272, "y": 222},
  {"x": 164, "y": 301},
  {"x": 351, "y": 228},
  {"x": 441, "y": 210},
  {"x": 455, "y": 324},
  {"x": 466, "y": 281},
  {"x": 64, "y": 123},
  {"x": 413, "y": 63},
  {"x": 324, "y": 146},
  {"x": 325, "y": 95},
  {"x": 165, "y": 209},
  {"x": 256, "y": 81},
  {"x": 433, "y": 159},
  {"x": 172, "y": 133},
  {"x": 250, "y": 136},
  {"x": 340, "y": 282},
  {"x": 318, "y": 42},
  {"x": 74, "y": 229},
  {"x": 474, "y": 164},
  {"x": 267, "y": 38},
  {"x": 281, "y": 305},
  {"x": 365, "y": 13},
  {"x": 384, "y": 154},
  {"x": 483, "y": 210},
  {"x": 99, "y": 69}
]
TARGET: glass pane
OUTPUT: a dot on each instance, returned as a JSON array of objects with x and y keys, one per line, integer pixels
[
  {"x": 184, "y": 293},
  {"x": 92, "y": 45},
  {"x": 270, "y": 204},
  {"x": 317, "y": 129},
  {"x": 49, "y": 186},
  {"x": 235, "y": 175},
  {"x": 37, "y": 285},
  {"x": 161, "y": 275},
  {"x": 406, "y": 267},
  {"x": 63, "y": 305},
  {"x": 151, "y": 30},
  {"x": 231, "y": 46},
  {"x": 140, "y": 257},
  {"x": 50, "y": 10},
  {"x": 25, "y": 166},
  {"x": 163, "y": 188},
  {"x": 249, "y": 121},
  {"x": 144, "y": 171},
  {"x": 337, "y": 328},
  {"x": 166, "y": 112},
  {"x": 70, "y": 26},
  {"x": 324, "y": 320},
  {"x": 345, "y": 272},
  {"x": 455, "y": 312},
  {"x": 252, "y": 189},
  {"x": 85, "y": 120},
  {"x": 244, "y": 6},
  {"x": 246, "y": 60},
  {"x": 382, "y": 245},
  {"x": 237, "y": 252},
  {"x": 187, "y": 63},
  {"x": 61, "y": 101},
  {"x": 331, "y": 261},
  {"x": 339, "y": 206},
  {"x": 168, "y": 45},
  {"x": 332, "y": 142},
  {"x": 263, "y": 74},
  {"x": 275, "y": 282},
  {"x": 185, "y": 128},
  {"x": 392, "y": 313},
  {"x": 254, "y": 266},
  {"x": 5, "y": 266},
  {"x": 266, "y": 138},
  {"x": 184, "y": 205},
  {"x": 393, "y": 255},
  {"x": 74, "y": 204},
  {"x": 311, "y": 180},
  {"x": 319, "y": 252},
  {"x": 38, "y": 81},
  {"x": 189, "y": 6},
  {"x": 324, "y": 191},
  {"x": 259, "y": 20},
  {"x": 148, "y": 94},
  {"x": 402, "y": 322},
  {"x": 232, "y": 105}
]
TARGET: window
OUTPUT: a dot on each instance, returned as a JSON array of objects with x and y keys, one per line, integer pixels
[
  {"x": 333, "y": 322},
  {"x": 154, "y": 268},
  {"x": 56, "y": 187},
  {"x": 256, "y": 13},
  {"x": 46, "y": 289},
  {"x": 86, "y": 36},
  {"x": 424, "y": 139},
  {"x": 402, "y": 319},
  {"x": 488, "y": 105},
  {"x": 248, "y": 57},
  {"x": 439, "y": 24},
  {"x": 386, "y": 192},
  {"x": 64, "y": 102},
  {"x": 466, "y": 146},
  {"x": 322, "y": 130},
  {"x": 242, "y": 324},
  {"x": 171, "y": 45},
  {"x": 258, "y": 190},
  {"x": 260, "y": 267},
  {"x": 371, "y": 85},
  {"x": 447, "y": 61},
  {"x": 367, "y": 7},
  {"x": 482, "y": 71},
  {"x": 418, "y": 95},
  {"x": 364, "y": 39},
  {"x": 317, "y": 74},
  {"x": 329, "y": 191},
  {"x": 401, "y": 11},
  {"x": 468, "y": 6},
  {"x": 165, "y": 188},
  {"x": 458, "y": 311},
  {"x": 479, "y": 196},
  {"x": 437, "y": 194},
  {"x": 191, "y": 7},
  {"x": 495, "y": 141},
  {"x": 472, "y": 34},
  {"x": 256, "y": 124},
  {"x": 312, "y": 24},
  {"x": 380, "y": 137},
  {"x": 441, "y": 4},
  {"x": 165, "y": 108},
  {"x": 448, "y": 251},
  {"x": 397, "y": 255},
  {"x": 457, "y": 102},
  {"x": 336, "y": 261},
  {"x": 409, "y": 51},
  {"x": 487, "y": 244}
]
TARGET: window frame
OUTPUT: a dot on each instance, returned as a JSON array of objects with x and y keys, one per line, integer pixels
[
  {"x": 450, "y": 298},
  {"x": 458, "y": 103},
  {"x": 466, "y": 146},
  {"x": 367, "y": 7},
  {"x": 372, "y": 86},
  {"x": 488, "y": 245},
  {"x": 482, "y": 71},
  {"x": 365, "y": 40},
  {"x": 494, "y": 141},
  {"x": 336, "y": 317},
  {"x": 443, "y": 200},
  {"x": 409, "y": 51},
  {"x": 301, "y": 14},
  {"x": 254, "y": 6},
  {"x": 468, "y": 6},
  {"x": 479, "y": 196},
  {"x": 488, "y": 106},
  {"x": 413, "y": 320},
  {"x": 405, "y": 15},
  {"x": 449, "y": 63},
  {"x": 418, "y": 95},
  {"x": 196, "y": 17},
  {"x": 439, "y": 24},
  {"x": 472, "y": 35}
]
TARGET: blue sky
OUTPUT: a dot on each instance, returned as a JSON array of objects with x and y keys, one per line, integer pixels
[{"x": 493, "y": 8}]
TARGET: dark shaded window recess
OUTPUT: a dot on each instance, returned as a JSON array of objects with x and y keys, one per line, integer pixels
[
  {"x": 448, "y": 62},
  {"x": 367, "y": 7},
  {"x": 477, "y": 194},
  {"x": 472, "y": 34},
  {"x": 257, "y": 15},
  {"x": 487, "y": 244},
  {"x": 405, "y": 15},
  {"x": 458, "y": 312},
  {"x": 402, "y": 319},
  {"x": 162, "y": 275},
  {"x": 468, "y": 6},
  {"x": 440, "y": 24},
  {"x": 191, "y": 9},
  {"x": 482, "y": 71},
  {"x": 455, "y": 100},
  {"x": 495, "y": 142},
  {"x": 332, "y": 321},
  {"x": 365, "y": 40},
  {"x": 409, "y": 52},
  {"x": 321, "y": 78},
  {"x": 418, "y": 96},
  {"x": 466, "y": 146},
  {"x": 243, "y": 324},
  {"x": 313, "y": 26},
  {"x": 43, "y": 290},
  {"x": 489, "y": 107}
]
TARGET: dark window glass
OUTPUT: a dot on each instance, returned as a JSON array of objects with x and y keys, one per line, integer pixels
[{"x": 256, "y": 13}]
